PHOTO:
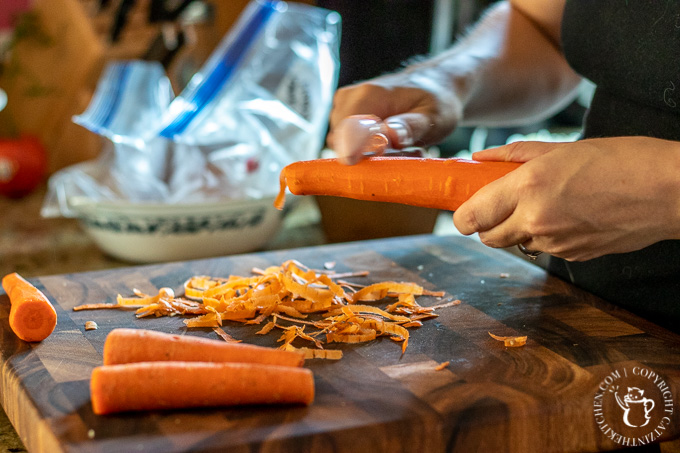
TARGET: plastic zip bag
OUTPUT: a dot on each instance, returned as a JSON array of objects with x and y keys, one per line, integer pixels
[
  {"x": 260, "y": 102},
  {"x": 130, "y": 100},
  {"x": 129, "y": 96}
]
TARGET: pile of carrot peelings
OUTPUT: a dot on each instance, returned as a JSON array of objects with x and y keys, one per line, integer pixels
[{"x": 315, "y": 306}]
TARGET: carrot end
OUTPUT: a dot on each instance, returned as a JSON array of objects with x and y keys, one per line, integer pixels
[{"x": 32, "y": 317}]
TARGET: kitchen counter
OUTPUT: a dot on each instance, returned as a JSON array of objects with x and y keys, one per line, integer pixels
[{"x": 33, "y": 246}]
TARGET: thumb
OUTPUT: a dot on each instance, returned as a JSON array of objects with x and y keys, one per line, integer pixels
[
  {"x": 408, "y": 129},
  {"x": 521, "y": 151}
]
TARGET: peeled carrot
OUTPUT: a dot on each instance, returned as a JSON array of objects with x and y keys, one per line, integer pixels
[
  {"x": 32, "y": 317},
  {"x": 430, "y": 183},
  {"x": 172, "y": 385},
  {"x": 136, "y": 345}
]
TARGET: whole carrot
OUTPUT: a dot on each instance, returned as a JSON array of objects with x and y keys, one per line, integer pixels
[
  {"x": 136, "y": 345},
  {"x": 430, "y": 183},
  {"x": 173, "y": 385},
  {"x": 32, "y": 317}
]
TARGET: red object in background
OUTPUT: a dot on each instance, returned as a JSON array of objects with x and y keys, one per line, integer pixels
[
  {"x": 23, "y": 165},
  {"x": 10, "y": 10}
]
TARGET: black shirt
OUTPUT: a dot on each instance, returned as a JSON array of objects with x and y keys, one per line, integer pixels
[{"x": 630, "y": 49}]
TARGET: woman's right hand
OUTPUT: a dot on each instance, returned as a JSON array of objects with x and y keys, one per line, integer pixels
[
  {"x": 420, "y": 102},
  {"x": 508, "y": 70}
]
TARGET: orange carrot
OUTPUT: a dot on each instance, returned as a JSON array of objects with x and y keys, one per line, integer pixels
[
  {"x": 431, "y": 183},
  {"x": 136, "y": 345},
  {"x": 32, "y": 317},
  {"x": 172, "y": 385}
]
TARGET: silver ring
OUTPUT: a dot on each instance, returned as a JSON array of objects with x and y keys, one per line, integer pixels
[{"x": 531, "y": 254}]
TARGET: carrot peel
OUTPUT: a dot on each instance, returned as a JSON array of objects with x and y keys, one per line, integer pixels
[
  {"x": 510, "y": 342},
  {"x": 32, "y": 317}
]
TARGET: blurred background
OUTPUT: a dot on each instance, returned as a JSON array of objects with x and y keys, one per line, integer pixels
[{"x": 52, "y": 53}]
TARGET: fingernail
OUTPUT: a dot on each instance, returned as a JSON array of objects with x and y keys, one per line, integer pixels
[
  {"x": 402, "y": 132},
  {"x": 360, "y": 134},
  {"x": 377, "y": 143}
]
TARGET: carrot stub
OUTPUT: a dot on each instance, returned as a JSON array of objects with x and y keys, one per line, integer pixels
[
  {"x": 173, "y": 385},
  {"x": 32, "y": 317},
  {"x": 427, "y": 182},
  {"x": 137, "y": 345}
]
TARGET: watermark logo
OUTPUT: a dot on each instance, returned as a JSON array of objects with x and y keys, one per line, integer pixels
[
  {"x": 636, "y": 404},
  {"x": 633, "y": 406}
]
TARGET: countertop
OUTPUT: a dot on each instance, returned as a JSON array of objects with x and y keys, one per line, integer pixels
[{"x": 34, "y": 246}]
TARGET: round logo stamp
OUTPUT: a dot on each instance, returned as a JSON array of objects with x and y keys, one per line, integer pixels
[{"x": 633, "y": 406}]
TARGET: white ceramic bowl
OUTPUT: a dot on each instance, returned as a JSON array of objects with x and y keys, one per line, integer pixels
[{"x": 146, "y": 233}]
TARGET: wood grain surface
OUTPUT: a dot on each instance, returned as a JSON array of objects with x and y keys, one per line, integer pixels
[{"x": 540, "y": 397}]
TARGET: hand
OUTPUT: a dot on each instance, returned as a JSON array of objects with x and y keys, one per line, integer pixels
[
  {"x": 507, "y": 70},
  {"x": 422, "y": 101},
  {"x": 580, "y": 200}
]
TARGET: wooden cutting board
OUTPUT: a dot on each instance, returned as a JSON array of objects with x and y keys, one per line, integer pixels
[{"x": 540, "y": 397}]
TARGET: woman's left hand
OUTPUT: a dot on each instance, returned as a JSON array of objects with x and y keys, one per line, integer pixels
[{"x": 579, "y": 200}]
